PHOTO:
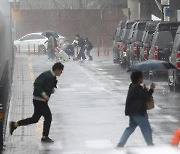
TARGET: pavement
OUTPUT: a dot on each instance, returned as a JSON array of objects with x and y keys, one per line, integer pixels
[{"x": 87, "y": 108}]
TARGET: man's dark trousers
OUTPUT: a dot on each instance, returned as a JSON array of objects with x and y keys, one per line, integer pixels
[
  {"x": 81, "y": 54},
  {"x": 40, "y": 109}
]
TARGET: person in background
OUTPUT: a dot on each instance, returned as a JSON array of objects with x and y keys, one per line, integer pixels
[
  {"x": 79, "y": 41},
  {"x": 43, "y": 88},
  {"x": 52, "y": 44},
  {"x": 89, "y": 47},
  {"x": 176, "y": 138},
  {"x": 136, "y": 109}
]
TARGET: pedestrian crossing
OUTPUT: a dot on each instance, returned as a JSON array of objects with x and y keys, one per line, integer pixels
[{"x": 99, "y": 144}]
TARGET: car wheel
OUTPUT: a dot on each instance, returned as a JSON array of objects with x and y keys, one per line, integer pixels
[
  {"x": 173, "y": 86},
  {"x": 42, "y": 49}
]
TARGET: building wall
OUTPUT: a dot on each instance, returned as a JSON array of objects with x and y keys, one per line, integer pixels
[
  {"x": 70, "y": 4},
  {"x": 89, "y": 23}
]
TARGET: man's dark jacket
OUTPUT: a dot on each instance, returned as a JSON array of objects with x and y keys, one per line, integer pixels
[
  {"x": 89, "y": 45},
  {"x": 81, "y": 42},
  {"x": 136, "y": 100},
  {"x": 45, "y": 82}
]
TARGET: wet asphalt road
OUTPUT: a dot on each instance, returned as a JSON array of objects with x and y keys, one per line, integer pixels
[{"x": 88, "y": 108}]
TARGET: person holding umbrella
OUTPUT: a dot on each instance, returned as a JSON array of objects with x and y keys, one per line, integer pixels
[
  {"x": 52, "y": 44},
  {"x": 136, "y": 109},
  {"x": 139, "y": 99}
]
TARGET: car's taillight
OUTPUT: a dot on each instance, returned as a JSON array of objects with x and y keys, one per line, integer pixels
[
  {"x": 156, "y": 53},
  {"x": 145, "y": 53},
  {"x": 135, "y": 49},
  {"x": 178, "y": 60},
  {"x": 124, "y": 48}
]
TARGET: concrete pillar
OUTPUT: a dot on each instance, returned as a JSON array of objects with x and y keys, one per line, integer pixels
[
  {"x": 145, "y": 10},
  {"x": 133, "y": 5}
]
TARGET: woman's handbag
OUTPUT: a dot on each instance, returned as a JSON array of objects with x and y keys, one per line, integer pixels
[{"x": 150, "y": 104}]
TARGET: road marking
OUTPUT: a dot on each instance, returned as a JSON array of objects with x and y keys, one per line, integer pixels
[
  {"x": 95, "y": 80},
  {"x": 57, "y": 145},
  {"x": 100, "y": 69},
  {"x": 67, "y": 89},
  {"x": 171, "y": 118},
  {"x": 104, "y": 73},
  {"x": 32, "y": 75},
  {"x": 78, "y": 85},
  {"x": 31, "y": 71},
  {"x": 98, "y": 144},
  {"x": 74, "y": 152},
  {"x": 97, "y": 89},
  {"x": 111, "y": 77},
  {"x": 94, "y": 65},
  {"x": 157, "y": 107}
]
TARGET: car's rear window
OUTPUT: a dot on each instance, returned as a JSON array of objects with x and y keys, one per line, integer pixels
[
  {"x": 168, "y": 27},
  {"x": 141, "y": 26},
  {"x": 129, "y": 25},
  {"x": 152, "y": 28}
]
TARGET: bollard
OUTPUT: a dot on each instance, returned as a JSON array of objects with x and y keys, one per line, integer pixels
[
  {"x": 107, "y": 51},
  {"x": 103, "y": 46},
  {"x": 34, "y": 49},
  {"x": 77, "y": 51},
  {"x": 28, "y": 49},
  {"x": 38, "y": 50},
  {"x": 98, "y": 47},
  {"x": 19, "y": 49},
  {"x": 1, "y": 127},
  {"x": 102, "y": 43}
]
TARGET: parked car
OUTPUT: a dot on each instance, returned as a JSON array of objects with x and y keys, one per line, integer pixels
[
  {"x": 124, "y": 37},
  {"x": 163, "y": 40},
  {"x": 117, "y": 40},
  {"x": 126, "y": 48},
  {"x": 174, "y": 75},
  {"x": 136, "y": 42},
  {"x": 34, "y": 42},
  {"x": 147, "y": 40},
  {"x": 119, "y": 30}
]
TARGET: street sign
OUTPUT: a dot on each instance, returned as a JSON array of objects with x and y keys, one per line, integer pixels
[{"x": 169, "y": 12}]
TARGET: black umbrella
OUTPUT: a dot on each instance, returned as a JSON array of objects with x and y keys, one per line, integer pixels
[
  {"x": 53, "y": 33},
  {"x": 151, "y": 65}
]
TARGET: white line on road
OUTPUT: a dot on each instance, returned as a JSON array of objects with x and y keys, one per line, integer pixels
[
  {"x": 171, "y": 118},
  {"x": 98, "y": 144},
  {"x": 157, "y": 107},
  {"x": 91, "y": 77}
]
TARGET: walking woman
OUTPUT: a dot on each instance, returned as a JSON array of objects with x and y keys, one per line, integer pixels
[{"x": 136, "y": 109}]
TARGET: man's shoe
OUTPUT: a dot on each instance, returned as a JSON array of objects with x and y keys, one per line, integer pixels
[
  {"x": 12, "y": 127},
  {"x": 90, "y": 58},
  {"x": 46, "y": 140}
]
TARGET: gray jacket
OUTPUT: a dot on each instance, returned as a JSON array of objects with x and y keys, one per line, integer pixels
[{"x": 51, "y": 44}]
